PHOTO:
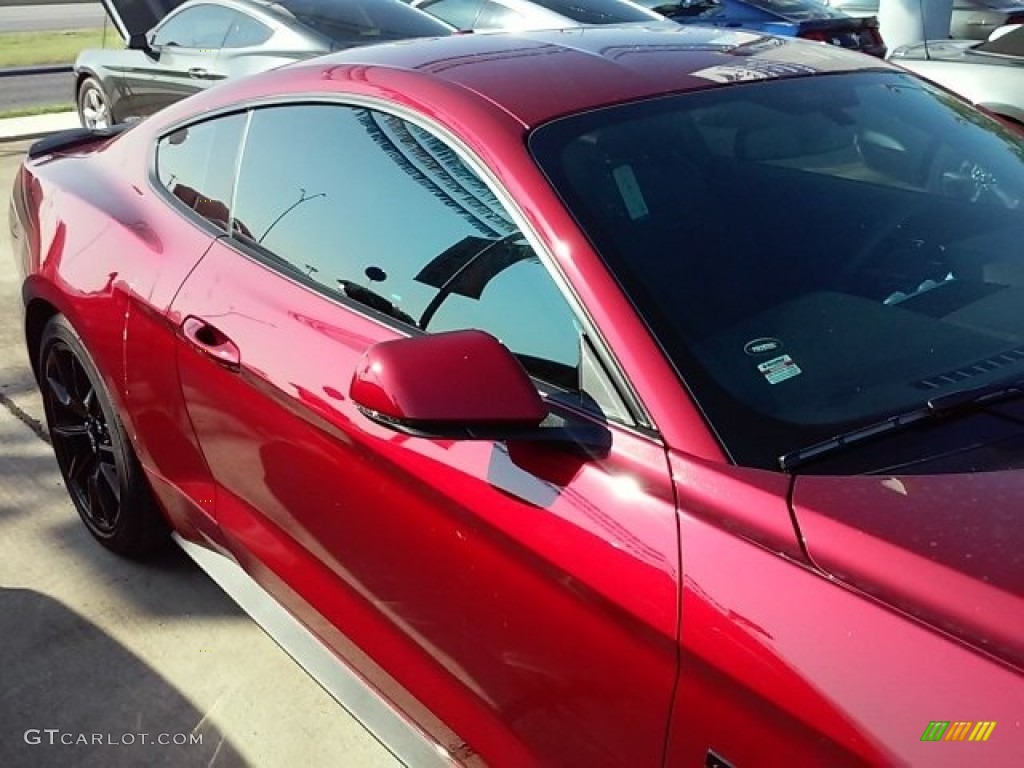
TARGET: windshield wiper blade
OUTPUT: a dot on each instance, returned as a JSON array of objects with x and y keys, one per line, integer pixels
[
  {"x": 961, "y": 401},
  {"x": 977, "y": 397}
]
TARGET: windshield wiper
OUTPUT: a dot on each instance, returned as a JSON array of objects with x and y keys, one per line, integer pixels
[{"x": 961, "y": 401}]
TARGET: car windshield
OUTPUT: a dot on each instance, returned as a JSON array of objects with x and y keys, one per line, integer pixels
[
  {"x": 357, "y": 22},
  {"x": 812, "y": 253}
]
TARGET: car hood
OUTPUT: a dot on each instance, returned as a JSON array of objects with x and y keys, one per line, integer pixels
[
  {"x": 947, "y": 549},
  {"x": 935, "y": 49},
  {"x": 137, "y": 17}
]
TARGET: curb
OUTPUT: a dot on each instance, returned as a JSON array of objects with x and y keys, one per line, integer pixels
[{"x": 48, "y": 69}]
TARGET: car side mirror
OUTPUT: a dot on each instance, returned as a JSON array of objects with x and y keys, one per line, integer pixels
[{"x": 461, "y": 384}]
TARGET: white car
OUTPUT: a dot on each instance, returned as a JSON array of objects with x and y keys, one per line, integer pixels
[{"x": 990, "y": 73}]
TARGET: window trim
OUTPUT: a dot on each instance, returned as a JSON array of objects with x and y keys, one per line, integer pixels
[{"x": 640, "y": 419}]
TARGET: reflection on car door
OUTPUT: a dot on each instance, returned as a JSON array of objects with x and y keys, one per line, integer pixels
[
  {"x": 183, "y": 59},
  {"x": 525, "y": 594}
]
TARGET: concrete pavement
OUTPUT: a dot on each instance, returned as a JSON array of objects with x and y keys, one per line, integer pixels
[
  {"x": 97, "y": 650},
  {"x": 18, "y": 128}
]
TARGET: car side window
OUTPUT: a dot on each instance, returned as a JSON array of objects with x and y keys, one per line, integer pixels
[
  {"x": 461, "y": 14},
  {"x": 365, "y": 206},
  {"x": 245, "y": 32},
  {"x": 497, "y": 16},
  {"x": 201, "y": 26},
  {"x": 197, "y": 165}
]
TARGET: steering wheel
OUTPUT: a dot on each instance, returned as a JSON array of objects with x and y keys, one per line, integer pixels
[
  {"x": 887, "y": 235},
  {"x": 975, "y": 184}
]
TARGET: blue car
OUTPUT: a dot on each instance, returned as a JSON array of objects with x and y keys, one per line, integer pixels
[{"x": 793, "y": 18}]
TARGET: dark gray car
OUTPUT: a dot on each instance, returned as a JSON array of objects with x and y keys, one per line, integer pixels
[{"x": 176, "y": 49}]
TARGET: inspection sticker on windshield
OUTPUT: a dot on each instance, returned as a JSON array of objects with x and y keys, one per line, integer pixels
[
  {"x": 632, "y": 197},
  {"x": 779, "y": 369}
]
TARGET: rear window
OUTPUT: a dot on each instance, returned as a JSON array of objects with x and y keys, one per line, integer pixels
[
  {"x": 797, "y": 10},
  {"x": 812, "y": 253},
  {"x": 357, "y": 22},
  {"x": 197, "y": 166}
]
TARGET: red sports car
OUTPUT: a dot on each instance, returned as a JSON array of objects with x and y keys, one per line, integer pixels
[{"x": 600, "y": 397}]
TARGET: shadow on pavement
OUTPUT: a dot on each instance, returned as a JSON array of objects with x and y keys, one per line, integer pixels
[{"x": 61, "y": 672}]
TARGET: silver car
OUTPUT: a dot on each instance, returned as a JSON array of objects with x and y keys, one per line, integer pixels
[
  {"x": 972, "y": 19},
  {"x": 488, "y": 15},
  {"x": 990, "y": 74}
]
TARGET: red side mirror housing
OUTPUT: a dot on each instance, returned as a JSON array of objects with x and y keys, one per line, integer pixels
[{"x": 459, "y": 384}]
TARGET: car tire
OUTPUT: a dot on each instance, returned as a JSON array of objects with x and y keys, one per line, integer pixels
[
  {"x": 96, "y": 459},
  {"x": 94, "y": 109}
]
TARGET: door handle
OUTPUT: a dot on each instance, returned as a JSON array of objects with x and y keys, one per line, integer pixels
[
  {"x": 199, "y": 73},
  {"x": 210, "y": 342}
]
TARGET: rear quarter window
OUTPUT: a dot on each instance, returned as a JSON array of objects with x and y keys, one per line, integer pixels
[{"x": 196, "y": 165}]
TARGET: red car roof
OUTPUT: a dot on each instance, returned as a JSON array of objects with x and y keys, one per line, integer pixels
[
  {"x": 536, "y": 76},
  {"x": 533, "y": 77}
]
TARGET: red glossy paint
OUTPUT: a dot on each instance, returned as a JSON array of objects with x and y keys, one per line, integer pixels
[
  {"x": 416, "y": 547},
  {"x": 460, "y": 377},
  {"x": 926, "y": 545},
  {"x": 528, "y": 603}
]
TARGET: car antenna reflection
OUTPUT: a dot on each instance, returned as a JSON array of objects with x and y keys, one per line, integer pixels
[{"x": 302, "y": 199}]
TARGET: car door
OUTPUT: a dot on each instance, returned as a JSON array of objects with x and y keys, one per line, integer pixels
[
  {"x": 195, "y": 171},
  {"x": 525, "y": 594},
  {"x": 182, "y": 59}
]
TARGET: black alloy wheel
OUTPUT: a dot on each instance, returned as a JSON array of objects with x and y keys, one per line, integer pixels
[{"x": 99, "y": 467}]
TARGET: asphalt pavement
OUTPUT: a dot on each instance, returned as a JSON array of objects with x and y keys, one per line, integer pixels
[
  {"x": 30, "y": 18},
  {"x": 102, "y": 659},
  {"x": 18, "y": 91}
]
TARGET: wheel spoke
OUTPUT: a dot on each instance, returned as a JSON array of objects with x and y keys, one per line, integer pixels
[
  {"x": 92, "y": 493},
  {"x": 82, "y": 463},
  {"x": 60, "y": 392},
  {"x": 103, "y": 495},
  {"x": 94, "y": 109},
  {"x": 71, "y": 430},
  {"x": 109, "y": 474},
  {"x": 63, "y": 382}
]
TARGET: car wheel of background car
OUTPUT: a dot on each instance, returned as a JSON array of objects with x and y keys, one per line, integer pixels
[
  {"x": 100, "y": 469},
  {"x": 93, "y": 105}
]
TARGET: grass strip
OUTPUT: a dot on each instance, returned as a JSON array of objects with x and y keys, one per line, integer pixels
[
  {"x": 40, "y": 110},
  {"x": 28, "y": 49}
]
